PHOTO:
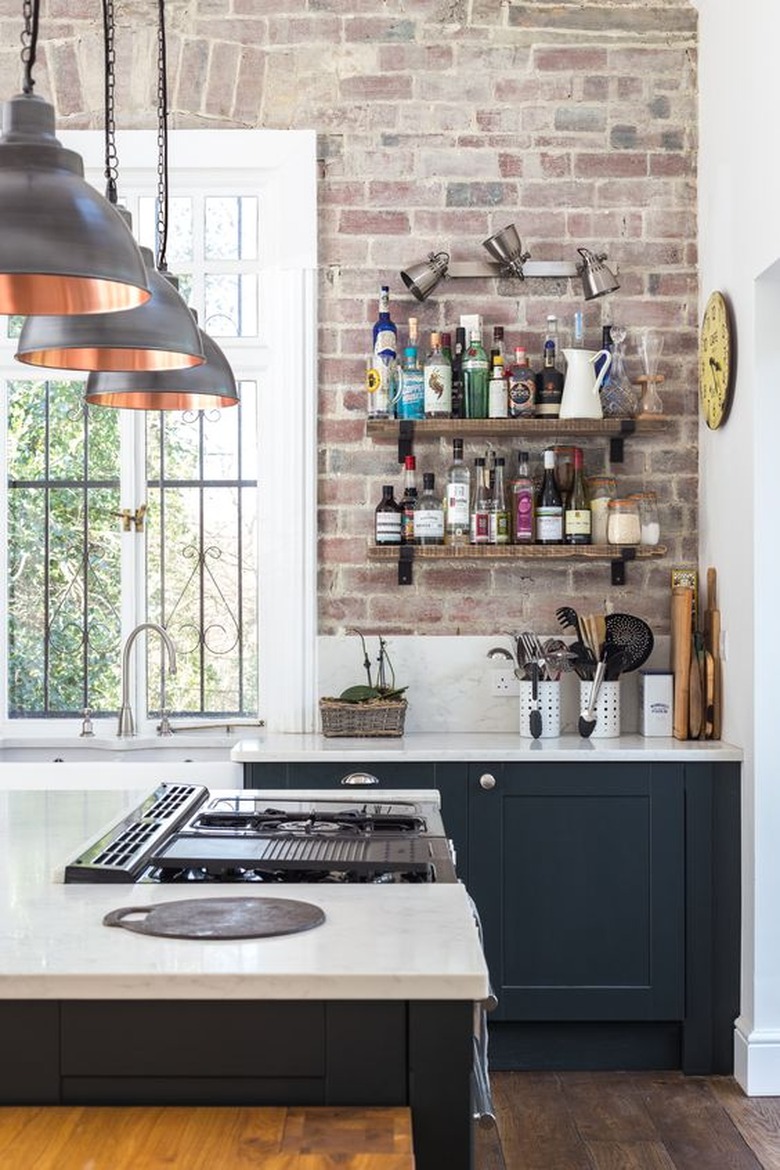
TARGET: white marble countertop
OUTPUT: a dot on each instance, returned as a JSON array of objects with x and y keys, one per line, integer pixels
[
  {"x": 377, "y": 942},
  {"x": 442, "y": 747}
]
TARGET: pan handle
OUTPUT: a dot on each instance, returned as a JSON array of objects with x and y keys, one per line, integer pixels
[{"x": 117, "y": 917}]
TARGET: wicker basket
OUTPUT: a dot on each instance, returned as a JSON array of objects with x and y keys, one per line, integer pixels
[{"x": 377, "y": 717}]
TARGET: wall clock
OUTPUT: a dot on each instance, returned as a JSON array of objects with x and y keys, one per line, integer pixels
[{"x": 717, "y": 361}]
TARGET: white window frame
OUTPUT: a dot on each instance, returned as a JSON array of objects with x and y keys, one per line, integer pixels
[{"x": 281, "y": 167}]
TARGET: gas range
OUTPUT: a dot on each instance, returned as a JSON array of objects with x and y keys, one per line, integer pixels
[{"x": 185, "y": 833}]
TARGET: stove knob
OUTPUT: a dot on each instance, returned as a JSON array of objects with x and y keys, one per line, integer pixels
[
  {"x": 487, "y": 781},
  {"x": 359, "y": 779}
]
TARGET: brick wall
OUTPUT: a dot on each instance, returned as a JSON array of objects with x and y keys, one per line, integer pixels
[{"x": 439, "y": 122}]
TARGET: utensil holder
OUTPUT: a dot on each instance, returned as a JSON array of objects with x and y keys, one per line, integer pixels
[
  {"x": 607, "y": 708},
  {"x": 549, "y": 705}
]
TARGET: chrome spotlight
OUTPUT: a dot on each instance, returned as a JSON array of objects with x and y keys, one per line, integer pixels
[
  {"x": 421, "y": 279},
  {"x": 506, "y": 247},
  {"x": 597, "y": 279}
]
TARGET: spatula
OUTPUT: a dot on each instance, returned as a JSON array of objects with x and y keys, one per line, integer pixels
[
  {"x": 587, "y": 721},
  {"x": 535, "y": 715}
]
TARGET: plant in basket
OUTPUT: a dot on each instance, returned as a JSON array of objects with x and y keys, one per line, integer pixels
[{"x": 376, "y": 707}]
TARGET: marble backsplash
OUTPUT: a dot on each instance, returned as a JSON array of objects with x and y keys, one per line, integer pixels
[{"x": 449, "y": 682}]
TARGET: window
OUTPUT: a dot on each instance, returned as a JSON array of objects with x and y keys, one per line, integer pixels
[{"x": 114, "y": 518}]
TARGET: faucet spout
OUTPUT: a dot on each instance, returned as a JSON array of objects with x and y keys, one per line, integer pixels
[{"x": 126, "y": 727}]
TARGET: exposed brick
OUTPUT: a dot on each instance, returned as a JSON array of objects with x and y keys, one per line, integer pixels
[
  {"x": 368, "y": 222},
  {"x": 479, "y": 194},
  {"x": 623, "y": 137},
  {"x": 394, "y": 86},
  {"x": 609, "y": 166},
  {"x": 580, "y": 118}
]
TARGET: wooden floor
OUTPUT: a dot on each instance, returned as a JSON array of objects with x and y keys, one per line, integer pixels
[{"x": 628, "y": 1121}]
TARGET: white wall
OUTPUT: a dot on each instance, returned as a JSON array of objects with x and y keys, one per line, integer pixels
[{"x": 739, "y": 241}]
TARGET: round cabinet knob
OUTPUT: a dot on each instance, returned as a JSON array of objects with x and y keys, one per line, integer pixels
[
  {"x": 487, "y": 781},
  {"x": 359, "y": 779}
]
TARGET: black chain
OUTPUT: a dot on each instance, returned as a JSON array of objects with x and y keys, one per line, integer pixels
[
  {"x": 162, "y": 142},
  {"x": 112, "y": 161},
  {"x": 29, "y": 39}
]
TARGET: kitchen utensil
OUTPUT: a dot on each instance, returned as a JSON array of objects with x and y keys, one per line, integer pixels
[
  {"x": 569, "y": 620},
  {"x": 535, "y": 716},
  {"x": 614, "y": 657},
  {"x": 682, "y": 621},
  {"x": 709, "y": 694},
  {"x": 219, "y": 918},
  {"x": 632, "y": 635},
  {"x": 696, "y": 689},
  {"x": 712, "y": 645},
  {"x": 587, "y": 720}
]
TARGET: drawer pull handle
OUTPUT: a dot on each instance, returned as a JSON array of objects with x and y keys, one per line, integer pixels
[
  {"x": 487, "y": 781},
  {"x": 359, "y": 779}
]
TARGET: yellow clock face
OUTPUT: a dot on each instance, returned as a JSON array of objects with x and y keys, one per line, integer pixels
[{"x": 716, "y": 361}]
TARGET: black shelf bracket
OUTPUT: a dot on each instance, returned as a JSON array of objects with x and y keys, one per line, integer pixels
[
  {"x": 405, "y": 438},
  {"x": 619, "y": 566},
  {"x": 405, "y": 561},
  {"x": 616, "y": 445}
]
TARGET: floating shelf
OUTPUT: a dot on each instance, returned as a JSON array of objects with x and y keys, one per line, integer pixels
[{"x": 616, "y": 554}]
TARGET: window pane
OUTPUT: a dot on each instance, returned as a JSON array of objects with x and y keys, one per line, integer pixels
[
  {"x": 230, "y": 228},
  {"x": 231, "y": 305},
  {"x": 180, "y": 248}
]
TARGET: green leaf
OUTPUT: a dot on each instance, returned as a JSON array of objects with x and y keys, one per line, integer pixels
[{"x": 359, "y": 694}]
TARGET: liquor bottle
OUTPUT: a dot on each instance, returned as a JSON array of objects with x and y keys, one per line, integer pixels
[
  {"x": 429, "y": 514},
  {"x": 549, "y": 513},
  {"x": 412, "y": 327},
  {"x": 578, "y": 334},
  {"x": 458, "y": 393},
  {"x": 475, "y": 378},
  {"x": 457, "y": 498},
  {"x": 480, "y": 504},
  {"x": 409, "y": 501},
  {"x": 497, "y": 389},
  {"x": 549, "y": 380},
  {"x": 497, "y": 348},
  {"x": 437, "y": 377},
  {"x": 498, "y": 518},
  {"x": 522, "y": 386},
  {"x": 411, "y": 390},
  {"x": 387, "y": 518},
  {"x": 381, "y": 375},
  {"x": 577, "y": 517},
  {"x": 522, "y": 503},
  {"x": 608, "y": 344}
]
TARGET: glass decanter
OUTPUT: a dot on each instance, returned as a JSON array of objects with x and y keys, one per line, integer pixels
[
  {"x": 618, "y": 396},
  {"x": 650, "y": 344}
]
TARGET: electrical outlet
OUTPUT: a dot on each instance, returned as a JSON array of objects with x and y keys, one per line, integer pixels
[{"x": 503, "y": 682}]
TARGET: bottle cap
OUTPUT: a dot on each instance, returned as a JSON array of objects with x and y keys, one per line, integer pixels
[
  {"x": 549, "y": 458},
  {"x": 457, "y": 447},
  {"x": 410, "y": 462},
  {"x": 411, "y": 351}
]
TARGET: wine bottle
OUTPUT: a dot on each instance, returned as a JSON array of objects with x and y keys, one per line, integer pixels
[
  {"x": 387, "y": 518},
  {"x": 475, "y": 378},
  {"x": 457, "y": 499},
  {"x": 549, "y": 380},
  {"x": 577, "y": 517},
  {"x": 429, "y": 514},
  {"x": 437, "y": 379},
  {"x": 480, "y": 504},
  {"x": 549, "y": 513},
  {"x": 458, "y": 393},
  {"x": 409, "y": 501},
  {"x": 522, "y": 503}
]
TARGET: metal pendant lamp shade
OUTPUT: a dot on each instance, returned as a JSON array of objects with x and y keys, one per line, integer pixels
[
  {"x": 204, "y": 387},
  {"x": 63, "y": 247},
  {"x": 160, "y": 335}
]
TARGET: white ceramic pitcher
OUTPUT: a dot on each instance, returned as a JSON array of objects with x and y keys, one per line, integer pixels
[{"x": 581, "y": 398}]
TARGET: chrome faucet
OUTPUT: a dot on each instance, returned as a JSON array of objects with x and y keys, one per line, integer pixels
[{"x": 126, "y": 726}]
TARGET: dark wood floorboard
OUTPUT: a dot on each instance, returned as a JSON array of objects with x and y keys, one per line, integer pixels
[{"x": 627, "y": 1121}]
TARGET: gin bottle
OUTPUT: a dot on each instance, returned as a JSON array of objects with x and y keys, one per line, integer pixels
[
  {"x": 457, "y": 498},
  {"x": 437, "y": 375}
]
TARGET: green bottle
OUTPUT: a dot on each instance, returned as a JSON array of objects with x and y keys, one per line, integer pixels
[{"x": 476, "y": 375}]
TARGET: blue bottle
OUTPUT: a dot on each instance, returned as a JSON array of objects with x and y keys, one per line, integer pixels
[{"x": 411, "y": 390}]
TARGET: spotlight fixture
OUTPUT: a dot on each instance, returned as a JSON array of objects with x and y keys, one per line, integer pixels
[
  {"x": 63, "y": 247},
  {"x": 505, "y": 247},
  {"x": 597, "y": 279},
  {"x": 421, "y": 279},
  {"x": 158, "y": 335}
]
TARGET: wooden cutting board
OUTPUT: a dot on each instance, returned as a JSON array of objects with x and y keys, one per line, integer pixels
[
  {"x": 712, "y": 646},
  {"x": 682, "y": 632}
]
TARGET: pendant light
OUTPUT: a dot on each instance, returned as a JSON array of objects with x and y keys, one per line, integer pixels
[
  {"x": 63, "y": 247},
  {"x": 159, "y": 335},
  {"x": 207, "y": 386}
]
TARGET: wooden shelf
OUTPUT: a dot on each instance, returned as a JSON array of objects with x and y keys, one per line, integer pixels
[
  {"x": 616, "y": 554},
  {"x": 390, "y": 428}
]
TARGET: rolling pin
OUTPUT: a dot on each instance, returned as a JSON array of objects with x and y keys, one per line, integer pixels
[{"x": 682, "y": 632}]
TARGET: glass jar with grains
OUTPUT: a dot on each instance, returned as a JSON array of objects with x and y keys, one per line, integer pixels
[
  {"x": 623, "y": 526},
  {"x": 601, "y": 489},
  {"x": 650, "y": 530}
]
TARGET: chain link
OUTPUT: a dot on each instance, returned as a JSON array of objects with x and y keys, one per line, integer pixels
[
  {"x": 112, "y": 160},
  {"x": 29, "y": 39},
  {"x": 162, "y": 141}
]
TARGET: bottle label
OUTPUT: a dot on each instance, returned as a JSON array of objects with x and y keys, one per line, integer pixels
[
  {"x": 497, "y": 400},
  {"x": 578, "y": 521},
  {"x": 549, "y": 524},
  {"x": 457, "y": 504},
  {"x": 429, "y": 525},
  {"x": 498, "y": 528},
  {"x": 408, "y": 525},
  {"x": 524, "y": 514},
  {"x": 480, "y": 527},
  {"x": 438, "y": 390},
  {"x": 385, "y": 345},
  {"x": 549, "y": 393},
  {"x": 522, "y": 394},
  {"x": 388, "y": 527},
  {"x": 412, "y": 394}
]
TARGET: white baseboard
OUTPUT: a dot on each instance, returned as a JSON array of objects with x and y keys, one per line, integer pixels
[{"x": 757, "y": 1061}]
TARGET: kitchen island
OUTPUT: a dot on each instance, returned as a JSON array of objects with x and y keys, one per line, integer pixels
[{"x": 375, "y": 1006}]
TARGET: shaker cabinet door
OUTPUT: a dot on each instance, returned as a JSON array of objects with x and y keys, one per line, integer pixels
[{"x": 578, "y": 873}]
